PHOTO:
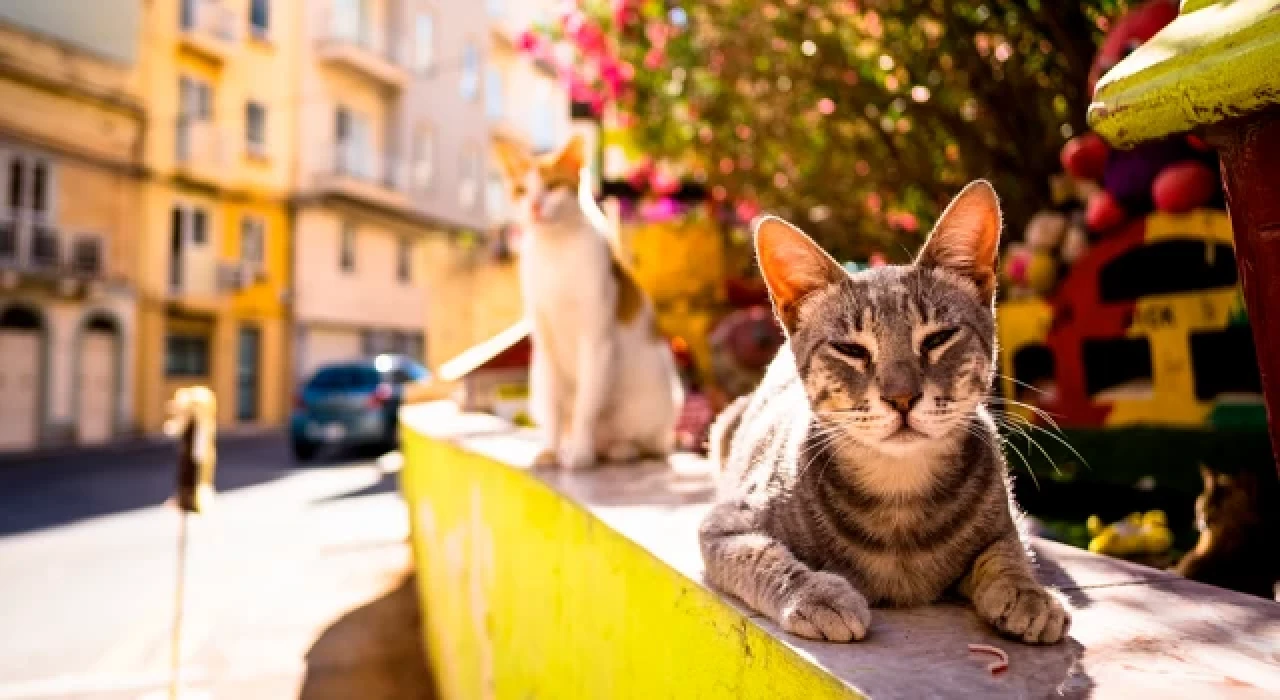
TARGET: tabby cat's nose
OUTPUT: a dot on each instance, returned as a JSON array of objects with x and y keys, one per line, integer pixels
[{"x": 902, "y": 402}]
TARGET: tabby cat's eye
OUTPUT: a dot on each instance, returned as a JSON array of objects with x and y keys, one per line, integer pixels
[
  {"x": 936, "y": 339},
  {"x": 853, "y": 351}
]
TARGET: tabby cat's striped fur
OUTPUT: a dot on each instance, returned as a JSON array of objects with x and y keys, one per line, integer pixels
[{"x": 865, "y": 468}]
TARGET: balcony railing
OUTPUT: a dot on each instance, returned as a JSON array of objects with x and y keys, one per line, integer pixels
[
  {"x": 209, "y": 26},
  {"x": 361, "y": 45},
  {"x": 359, "y": 162},
  {"x": 32, "y": 246}
]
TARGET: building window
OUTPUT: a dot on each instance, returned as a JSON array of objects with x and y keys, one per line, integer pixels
[
  {"x": 186, "y": 355},
  {"x": 30, "y": 187},
  {"x": 255, "y": 121},
  {"x": 188, "y": 226},
  {"x": 470, "y": 81},
  {"x": 253, "y": 235},
  {"x": 199, "y": 226},
  {"x": 424, "y": 156},
  {"x": 493, "y": 93},
  {"x": 354, "y": 145},
  {"x": 469, "y": 178},
  {"x": 495, "y": 196},
  {"x": 347, "y": 248},
  {"x": 195, "y": 98},
  {"x": 424, "y": 48},
  {"x": 259, "y": 17},
  {"x": 404, "y": 260},
  {"x": 543, "y": 129}
]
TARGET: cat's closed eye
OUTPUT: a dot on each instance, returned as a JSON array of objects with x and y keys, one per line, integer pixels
[
  {"x": 853, "y": 351},
  {"x": 937, "y": 339}
]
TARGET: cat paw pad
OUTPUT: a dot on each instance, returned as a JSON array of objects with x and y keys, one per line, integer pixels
[
  {"x": 1025, "y": 611},
  {"x": 826, "y": 607}
]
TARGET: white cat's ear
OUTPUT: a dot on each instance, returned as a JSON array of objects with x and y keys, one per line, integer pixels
[
  {"x": 570, "y": 158},
  {"x": 515, "y": 161},
  {"x": 967, "y": 237},
  {"x": 793, "y": 266}
]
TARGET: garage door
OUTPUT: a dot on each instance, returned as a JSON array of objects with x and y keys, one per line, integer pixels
[
  {"x": 324, "y": 346},
  {"x": 19, "y": 386},
  {"x": 97, "y": 387}
]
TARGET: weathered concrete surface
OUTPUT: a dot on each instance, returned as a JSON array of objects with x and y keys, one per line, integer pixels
[{"x": 560, "y": 584}]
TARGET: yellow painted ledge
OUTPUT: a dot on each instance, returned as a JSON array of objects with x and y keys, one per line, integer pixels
[
  {"x": 589, "y": 585},
  {"x": 1216, "y": 61}
]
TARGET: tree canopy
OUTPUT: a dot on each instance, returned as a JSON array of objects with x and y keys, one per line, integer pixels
[{"x": 856, "y": 119}]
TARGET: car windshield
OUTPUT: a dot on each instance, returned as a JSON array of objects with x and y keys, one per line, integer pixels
[
  {"x": 409, "y": 371},
  {"x": 344, "y": 377}
]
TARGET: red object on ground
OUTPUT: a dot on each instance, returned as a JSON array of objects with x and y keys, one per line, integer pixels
[
  {"x": 1184, "y": 186},
  {"x": 1085, "y": 156},
  {"x": 1103, "y": 212}
]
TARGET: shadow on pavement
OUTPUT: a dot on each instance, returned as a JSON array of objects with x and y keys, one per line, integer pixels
[
  {"x": 45, "y": 492},
  {"x": 373, "y": 652}
]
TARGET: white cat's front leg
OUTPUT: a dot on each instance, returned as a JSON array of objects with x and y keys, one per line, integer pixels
[
  {"x": 595, "y": 360},
  {"x": 545, "y": 398}
]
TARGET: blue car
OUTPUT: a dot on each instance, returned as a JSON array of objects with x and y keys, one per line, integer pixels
[{"x": 352, "y": 404}]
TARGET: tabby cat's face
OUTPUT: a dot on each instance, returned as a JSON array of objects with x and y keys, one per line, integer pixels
[{"x": 897, "y": 357}]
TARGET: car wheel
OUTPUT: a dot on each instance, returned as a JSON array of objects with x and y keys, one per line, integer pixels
[{"x": 303, "y": 450}]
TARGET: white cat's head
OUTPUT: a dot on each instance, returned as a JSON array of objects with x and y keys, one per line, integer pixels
[{"x": 543, "y": 188}]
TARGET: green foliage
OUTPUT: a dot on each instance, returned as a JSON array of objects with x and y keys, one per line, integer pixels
[{"x": 857, "y": 120}]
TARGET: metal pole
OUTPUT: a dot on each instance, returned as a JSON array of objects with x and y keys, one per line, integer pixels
[{"x": 175, "y": 661}]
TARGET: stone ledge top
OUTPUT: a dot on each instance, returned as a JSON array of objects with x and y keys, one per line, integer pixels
[{"x": 1135, "y": 629}]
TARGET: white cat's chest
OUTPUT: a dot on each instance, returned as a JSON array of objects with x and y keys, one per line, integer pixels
[{"x": 568, "y": 290}]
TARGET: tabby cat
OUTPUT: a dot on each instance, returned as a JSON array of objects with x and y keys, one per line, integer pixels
[{"x": 865, "y": 469}]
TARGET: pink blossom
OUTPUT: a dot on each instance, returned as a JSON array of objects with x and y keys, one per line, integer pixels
[
  {"x": 878, "y": 260},
  {"x": 657, "y": 34},
  {"x": 659, "y": 210},
  {"x": 826, "y": 105},
  {"x": 653, "y": 60},
  {"x": 579, "y": 90},
  {"x": 663, "y": 182},
  {"x": 746, "y": 209},
  {"x": 528, "y": 40},
  {"x": 588, "y": 37}
]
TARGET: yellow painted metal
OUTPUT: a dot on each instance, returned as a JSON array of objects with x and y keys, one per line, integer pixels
[
  {"x": 1216, "y": 61},
  {"x": 525, "y": 594}
]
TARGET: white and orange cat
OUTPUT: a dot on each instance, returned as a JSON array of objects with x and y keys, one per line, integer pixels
[{"x": 603, "y": 381}]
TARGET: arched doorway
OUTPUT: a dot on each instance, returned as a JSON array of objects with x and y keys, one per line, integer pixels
[
  {"x": 22, "y": 351},
  {"x": 97, "y": 379}
]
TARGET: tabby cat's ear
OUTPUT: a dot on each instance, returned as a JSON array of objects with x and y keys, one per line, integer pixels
[
  {"x": 570, "y": 158},
  {"x": 793, "y": 266},
  {"x": 966, "y": 238},
  {"x": 515, "y": 161}
]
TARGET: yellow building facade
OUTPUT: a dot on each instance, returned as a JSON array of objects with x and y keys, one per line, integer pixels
[
  {"x": 214, "y": 270},
  {"x": 71, "y": 128}
]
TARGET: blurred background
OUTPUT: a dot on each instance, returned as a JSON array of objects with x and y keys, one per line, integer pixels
[{"x": 289, "y": 201}]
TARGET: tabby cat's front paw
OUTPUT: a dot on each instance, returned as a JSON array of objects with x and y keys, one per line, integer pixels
[
  {"x": 827, "y": 607},
  {"x": 1024, "y": 610}
]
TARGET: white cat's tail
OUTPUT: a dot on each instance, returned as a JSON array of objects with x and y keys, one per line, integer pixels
[{"x": 723, "y": 430}]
